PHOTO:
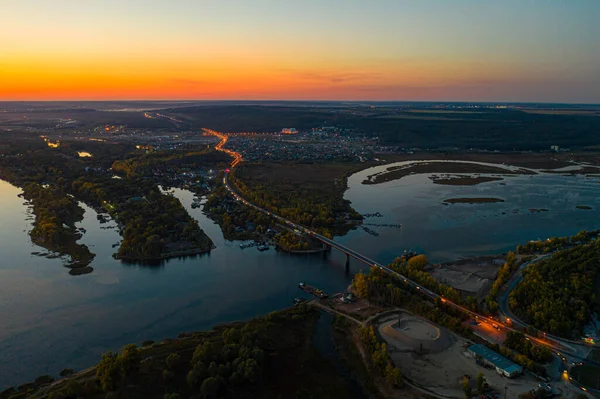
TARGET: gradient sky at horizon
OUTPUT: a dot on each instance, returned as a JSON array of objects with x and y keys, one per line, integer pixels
[{"x": 459, "y": 50}]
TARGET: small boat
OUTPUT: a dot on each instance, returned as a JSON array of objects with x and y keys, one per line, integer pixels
[{"x": 262, "y": 247}]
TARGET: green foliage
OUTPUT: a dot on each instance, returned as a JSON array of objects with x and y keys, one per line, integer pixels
[
  {"x": 115, "y": 367},
  {"x": 156, "y": 224},
  {"x": 130, "y": 359},
  {"x": 66, "y": 372},
  {"x": 361, "y": 284},
  {"x": 74, "y": 389},
  {"x": 480, "y": 382},
  {"x": 413, "y": 269},
  {"x": 210, "y": 388},
  {"x": 55, "y": 217},
  {"x": 509, "y": 267},
  {"x": 109, "y": 372},
  {"x": 387, "y": 290},
  {"x": 307, "y": 194},
  {"x": 173, "y": 361},
  {"x": 557, "y": 243},
  {"x": 558, "y": 294},
  {"x": 518, "y": 342},
  {"x": 379, "y": 358}
]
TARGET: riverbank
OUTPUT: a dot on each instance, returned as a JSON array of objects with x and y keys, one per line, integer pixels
[{"x": 164, "y": 256}]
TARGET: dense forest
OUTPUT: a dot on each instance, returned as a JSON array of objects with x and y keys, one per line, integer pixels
[
  {"x": 308, "y": 194},
  {"x": 558, "y": 294},
  {"x": 267, "y": 357},
  {"x": 504, "y": 274},
  {"x": 154, "y": 225},
  {"x": 557, "y": 243},
  {"x": 146, "y": 164}
]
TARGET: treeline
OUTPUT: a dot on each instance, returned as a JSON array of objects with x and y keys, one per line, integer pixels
[
  {"x": 143, "y": 165},
  {"x": 54, "y": 227},
  {"x": 378, "y": 357},
  {"x": 291, "y": 242},
  {"x": 413, "y": 268},
  {"x": 502, "y": 278},
  {"x": 269, "y": 356},
  {"x": 519, "y": 358},
  {"x": 383, "y": 289},
  {"x": 518, "y": 342},
  {"x": 557, "y": 243},
  {"x": 558, "y": 294}
]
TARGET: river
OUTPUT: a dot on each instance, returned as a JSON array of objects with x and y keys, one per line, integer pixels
[{"x": 50, "y": 320}]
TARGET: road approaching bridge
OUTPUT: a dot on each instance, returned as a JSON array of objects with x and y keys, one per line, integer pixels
[{"x": 555, "y": 344}]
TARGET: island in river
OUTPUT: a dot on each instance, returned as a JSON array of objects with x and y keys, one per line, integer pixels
[
  {"x": 154, "y": 226},
  {"x": 479, "y": 200}
]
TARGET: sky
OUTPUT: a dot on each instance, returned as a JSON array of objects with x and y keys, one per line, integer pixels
[{"x": 442, "y": 50}]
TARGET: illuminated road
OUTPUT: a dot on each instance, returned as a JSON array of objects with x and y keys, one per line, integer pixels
[{"x": 556, "y": 345}]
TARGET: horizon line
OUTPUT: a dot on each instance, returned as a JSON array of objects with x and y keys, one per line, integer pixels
[{"x": 304, "y": 101}]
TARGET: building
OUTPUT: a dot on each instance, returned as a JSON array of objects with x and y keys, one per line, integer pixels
[
  {"x": 502, "y": 365},
  {"x": 554, "y": 148},
  {"x": 288, "y": 130}
]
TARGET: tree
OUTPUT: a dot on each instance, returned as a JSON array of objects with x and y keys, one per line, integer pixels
[
  {"x": 466, "y": 386},
  {"x": 109, "y": 372},
  {"x": 209, "y": 388},
  {"x": 417, "y": 262},
  {"x": 173, "y": 361},
  {"x": 480, "y": 382},
  {"x": 130, "y": 359},
  {"x": 361, "y": 284}
]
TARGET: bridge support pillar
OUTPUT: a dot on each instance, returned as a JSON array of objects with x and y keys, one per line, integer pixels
[
  {"x": 347, "y": 263},
  {"x": 326, "y": 247}
]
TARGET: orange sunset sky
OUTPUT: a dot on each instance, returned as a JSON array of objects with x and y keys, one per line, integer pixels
[{"x": 261, "y": 49}]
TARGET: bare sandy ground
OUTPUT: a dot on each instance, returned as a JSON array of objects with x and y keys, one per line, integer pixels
[
  {"x": 441, "y": 372},
  {"x": 472, "y": 276}
]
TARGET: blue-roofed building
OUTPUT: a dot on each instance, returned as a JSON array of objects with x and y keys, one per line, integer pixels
[{"x": 503, "y": 366}]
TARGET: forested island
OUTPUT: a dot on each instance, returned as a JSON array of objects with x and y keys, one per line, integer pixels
[{"x": 54, "y": 227}]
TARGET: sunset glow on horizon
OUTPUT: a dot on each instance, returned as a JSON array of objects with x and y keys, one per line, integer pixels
[{"x": 310, "y": 50}]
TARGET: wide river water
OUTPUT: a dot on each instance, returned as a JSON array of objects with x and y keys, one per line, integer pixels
[{"x": 50, "y": 320}]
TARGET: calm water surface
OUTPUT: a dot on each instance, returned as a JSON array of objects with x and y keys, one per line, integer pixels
[{"x": 50, "y": 320}]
